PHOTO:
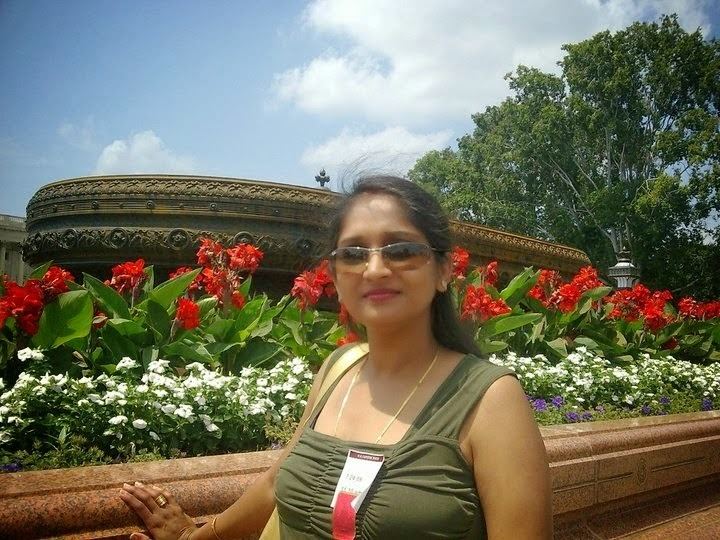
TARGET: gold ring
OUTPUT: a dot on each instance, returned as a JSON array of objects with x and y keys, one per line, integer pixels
[{"x": 161, "y": 501}]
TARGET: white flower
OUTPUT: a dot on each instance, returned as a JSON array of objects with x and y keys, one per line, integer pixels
[
  {"x": 4, "y": 410},
  {"x": 211, "y": 427},
  {"x": 261, "y": 382},
  {"x": 291, "y": 396},
  {"x": 142, "y": 388},
  {"x": 5, "y": 436},
  {"x": 30, "y": 354},
  {"x": 83, "y": 402},
  {"x": 168, "y": 408},
  {"x": 154, "y": 436},
  {"x": 184, "y": 411},
  {"x": 158, "y": 366},
  {"x": 120, "y": 419},
  {"x": 126, "y": 363},
  {"x": 139, "y": 423},
  {"x": 200, "y": 400}
]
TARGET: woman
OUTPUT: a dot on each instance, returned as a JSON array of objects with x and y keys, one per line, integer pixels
[{"x": 420, "y": 438}]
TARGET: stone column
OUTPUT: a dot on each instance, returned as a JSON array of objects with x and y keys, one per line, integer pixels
[{"x": 2, "y": 258}]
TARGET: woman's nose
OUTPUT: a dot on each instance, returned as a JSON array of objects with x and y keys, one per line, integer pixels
[{"x": 376, "y": 264}]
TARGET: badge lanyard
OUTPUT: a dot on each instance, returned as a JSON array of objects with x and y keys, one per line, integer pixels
[{"x": 357, "y": 476}]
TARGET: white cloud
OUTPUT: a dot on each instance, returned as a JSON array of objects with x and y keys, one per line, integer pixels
[
  {"x": 81, "y": 136},
  {"x": 418, "y": 62},
  {"x": 392, "y": 150},
  {"x": 142, "y": 152}
]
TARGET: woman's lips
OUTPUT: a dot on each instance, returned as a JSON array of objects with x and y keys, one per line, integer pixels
[{"x": 380, "y": 295}]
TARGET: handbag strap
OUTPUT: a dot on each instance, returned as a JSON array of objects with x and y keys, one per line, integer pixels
[{"x": 335, "y": 371}]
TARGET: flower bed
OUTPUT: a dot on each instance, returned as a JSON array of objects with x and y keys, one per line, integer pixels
[
  {"x": 155, "y": 413},
  {"x": 127, "y": 370}
]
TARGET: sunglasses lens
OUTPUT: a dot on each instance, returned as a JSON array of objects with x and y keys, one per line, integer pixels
[
  {"x": 406, "y": 255},
  {"x": 350, "y": 258}
]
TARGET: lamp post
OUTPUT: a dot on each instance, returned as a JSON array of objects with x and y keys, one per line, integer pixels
[{"x": 624, "y": 272}]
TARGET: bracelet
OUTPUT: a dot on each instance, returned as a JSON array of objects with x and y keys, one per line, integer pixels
[
  {"x": 186, "y": 532},
  {"x": 212, "y": 528}
]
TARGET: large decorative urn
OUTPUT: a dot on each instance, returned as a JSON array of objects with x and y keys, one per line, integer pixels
[{"x": 92, "y": 223}]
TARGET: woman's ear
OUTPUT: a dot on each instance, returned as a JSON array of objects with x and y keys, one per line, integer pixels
[{"x": 445, "y": 273}]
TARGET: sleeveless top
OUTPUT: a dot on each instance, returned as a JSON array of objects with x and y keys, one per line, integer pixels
[{"x": 425, "y": 488}]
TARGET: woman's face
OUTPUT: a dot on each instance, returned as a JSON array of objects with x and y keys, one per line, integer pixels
[{"x": 379, "y": 294}]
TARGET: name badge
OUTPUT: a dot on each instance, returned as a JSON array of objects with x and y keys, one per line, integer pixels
[{"x": 357, "y": 476}]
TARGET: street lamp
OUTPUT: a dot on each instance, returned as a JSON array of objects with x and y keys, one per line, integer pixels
[{"x": 625, "y": 273}]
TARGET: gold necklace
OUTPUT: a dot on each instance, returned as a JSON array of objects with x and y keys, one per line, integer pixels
[{"x": 400, "y": 410}]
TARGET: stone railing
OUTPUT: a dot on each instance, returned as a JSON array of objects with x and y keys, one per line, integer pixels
[{"x": 644, "y": 477}]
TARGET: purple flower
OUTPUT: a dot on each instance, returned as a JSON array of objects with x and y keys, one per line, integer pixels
[
  {"x": 11, "y": 467},
  {"x": 664, "y": 400},
  {"x": 707, "y": 404},
  {"x": 646, "y": 410},
  {"x": 572, "y": 416},
  {"x": 587, "y": 416},
  {"x": 600, "y": 409},
  {"x": 539, "y": 404},
  {"x": 558, "y": 401}
]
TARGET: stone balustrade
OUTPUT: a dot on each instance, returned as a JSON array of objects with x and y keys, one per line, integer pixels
[{"x": 641, "y": 478}]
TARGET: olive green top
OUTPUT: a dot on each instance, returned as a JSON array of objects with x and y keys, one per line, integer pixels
[{"x": 425, "y": 488}]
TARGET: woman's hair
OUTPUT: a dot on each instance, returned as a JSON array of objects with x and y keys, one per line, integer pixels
[{"x": 425, "y": 213}]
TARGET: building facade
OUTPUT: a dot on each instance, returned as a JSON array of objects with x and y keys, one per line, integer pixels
[{"x": 12, "y": 235}]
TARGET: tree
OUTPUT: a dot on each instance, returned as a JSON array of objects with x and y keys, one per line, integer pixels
[{"x": 622, "y": 150}]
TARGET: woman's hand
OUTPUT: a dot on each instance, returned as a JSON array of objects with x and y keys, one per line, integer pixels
[{"x": 159, "y": 510}]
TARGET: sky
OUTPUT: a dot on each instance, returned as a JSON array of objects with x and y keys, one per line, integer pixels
[{"x": 269, "y": 90}]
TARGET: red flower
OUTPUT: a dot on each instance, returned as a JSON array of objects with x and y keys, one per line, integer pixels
[
  {"x": 238, "y": 300},
  {"x": 210, "y": 252},
  {"x": 489, "y": 274},
  {"x": 188, "y": 313},
  {"x": 23, "y": 303},
  {"x": 54, "y": 282},
  {"x": 480, "y": 306},
  {"x": 179, "y": 272},
  {"x": 460, "y": 261},
  {"x": 691, "y": 308},
  {"x": 245, "y": 257},
  {"x": 653, "y": 313},
  {"x": 349, "y": 337},
  {"x": 586, "y": 279},
  {"x": 127, "y": 276},
  {"x": 566, "y": 297},
  {"x": 547, "y": 282},
  {"x": 310, "y": 285}
]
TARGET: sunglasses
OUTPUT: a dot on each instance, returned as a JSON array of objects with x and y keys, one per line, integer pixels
[{"x": 400, "y": 256}]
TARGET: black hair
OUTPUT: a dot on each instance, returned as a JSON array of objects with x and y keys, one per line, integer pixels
[{"x": 426, "y": 214}]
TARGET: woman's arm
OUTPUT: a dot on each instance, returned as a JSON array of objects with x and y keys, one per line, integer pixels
[
  {"x": 247, "y": 515},
  {"x": 510, "y": 464}
]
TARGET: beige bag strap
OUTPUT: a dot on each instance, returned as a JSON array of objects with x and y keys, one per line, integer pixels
[{"x": 348, "y": 358}]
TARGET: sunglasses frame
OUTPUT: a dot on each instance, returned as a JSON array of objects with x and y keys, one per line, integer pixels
[{"x": 381, "y": 250}]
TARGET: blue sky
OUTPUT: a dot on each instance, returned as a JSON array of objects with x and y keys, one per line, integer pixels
[{"x": 268, "y": 90}]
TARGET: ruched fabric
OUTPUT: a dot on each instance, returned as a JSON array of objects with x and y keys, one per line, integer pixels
[{"x": 425, "y": 488}]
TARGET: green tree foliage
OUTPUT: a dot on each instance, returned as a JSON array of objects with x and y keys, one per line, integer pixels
[{"x": 620, "y": 150}]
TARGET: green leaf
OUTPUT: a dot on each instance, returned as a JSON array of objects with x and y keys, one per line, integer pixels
[
  {"x": 258, "y": 352},
  {"x": 245, "y": 286},
  {"x": 166, "y": 293},
  {"x": 111, "y": 302},
  {"x": 158, "y": 319},
  {"x": 119, "y": 345},
  {"x": 506, "y": 323},
  {"x": 489, "y": 347},
  {"x": 68, "y": 317},
  {"x": 557, "y": 347},
  {"x": 128, "y": 328},
  {"x": 196, "y": 353},
  {"x": 519, "y": 286},
  {"x": 221, "y": 329},
  {"x": 40, "y": 271},
  {"x": 248, "y": 318},
  {"x": 597, "y": 293}
]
